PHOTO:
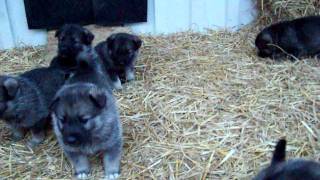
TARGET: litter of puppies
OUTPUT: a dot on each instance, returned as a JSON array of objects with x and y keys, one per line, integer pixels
[{"x": 203, "y": 106}]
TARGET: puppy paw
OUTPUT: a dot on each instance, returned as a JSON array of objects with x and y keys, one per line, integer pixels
[
  {"x": 117, "y": 84},
  {"x": 112, "y": 176},
  {"x": 35, "y": 140},
  {"x": 17, "y": 137},
  {"x": 82, "y": 175},
  {"x": 32, "y": 144},
  {"x": 130, "y": 76}
]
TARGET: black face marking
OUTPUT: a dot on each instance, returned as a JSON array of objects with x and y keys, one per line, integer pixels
[
  {"x": 71, "y": 39},
  {"x": 123, "y": 47}
]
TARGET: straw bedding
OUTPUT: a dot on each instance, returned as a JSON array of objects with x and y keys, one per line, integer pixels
[
  {"x": 276, "y": 10},
  {"x": 204, "y": 106}
]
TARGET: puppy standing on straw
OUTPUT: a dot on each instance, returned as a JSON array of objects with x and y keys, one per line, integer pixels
[
  {"x": 119, "y": 54},
  {"x": 86, "y": 120}
]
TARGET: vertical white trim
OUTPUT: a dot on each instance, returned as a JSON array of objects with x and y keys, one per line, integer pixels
[
  {"x": 233, "y": 14},
  {"x": 149, "y": 26},
  {"x": 247, "y": 12},
  {"x": 21, "y": 33},
  {"x": 190, "y": 14},
  {"x": 6, "y": 38},
  {"x": 153, "y": 17},
  {"x": 171, "y": 16}
]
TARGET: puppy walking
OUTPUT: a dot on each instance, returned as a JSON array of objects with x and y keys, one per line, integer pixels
[
  {"x": 86, "y": 119},
  {"x": 119, "y": 53}
]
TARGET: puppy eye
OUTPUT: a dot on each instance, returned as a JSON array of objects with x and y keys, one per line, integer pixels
[
  {"x": 63, "y": 120},
  {"x": 84, "y": 119},
  {"x": 76, "y": 40},
  {"x": 129, "y": 51}
]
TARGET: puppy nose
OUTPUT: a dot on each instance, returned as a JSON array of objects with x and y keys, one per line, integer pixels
[{"x": 71, "y": 139}]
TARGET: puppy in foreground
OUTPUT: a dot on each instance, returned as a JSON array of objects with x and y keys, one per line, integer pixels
[
  {"x": 71, "y": 39},
  {"x": 298, "y": 38},
  {"x": 119, "y": 53},
  {"x": 295, "y": 169},
  {"x": 24, "y": 101},
  {"x": 86, "y": 119}
]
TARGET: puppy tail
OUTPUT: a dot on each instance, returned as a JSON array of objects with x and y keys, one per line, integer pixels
[{"x": 279, "y": 154}]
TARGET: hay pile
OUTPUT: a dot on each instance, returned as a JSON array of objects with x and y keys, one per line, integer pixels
[
  {"x": 203, "y": 106},
  {"x": 276, "y": 10}
]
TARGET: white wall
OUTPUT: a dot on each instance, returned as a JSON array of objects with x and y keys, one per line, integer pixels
[
  {"x": 169, "y": 16},
  {"x": 14, "y": 31},
  {"x": 6, "y": 38},
  {"x": 164, "y": 17}
]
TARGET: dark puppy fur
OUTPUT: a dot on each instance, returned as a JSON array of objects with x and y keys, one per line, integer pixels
[
  {"x": 71, "y": 39},
  {"x": 86, "y": 119},
  {"x": 295, "y": 169},
  {"x": 299, "y": 37},
  {"x": 24, "y": 101},
  {"x": 90, "y": 68},
  {"x": 119, "y": 53}
]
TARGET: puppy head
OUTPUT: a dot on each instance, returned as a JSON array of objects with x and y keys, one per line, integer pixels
[
  {"x": 278, "y": 159},
  {"x": 264, "y": 43},
  {"x": 9, "y": 87},
  {"x": 123, "y": 47},
  {"x": 71, "y": 38},
  {"x": 292, "y": 169},
  {"x": 76, "y": 112}
]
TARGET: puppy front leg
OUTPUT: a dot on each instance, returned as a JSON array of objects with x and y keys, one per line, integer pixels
[
  {"x": 80, "y": 163},
  {"x": 116, "y": 82},
  {"x": 129, "y": 70},
  {"x": 17, "y": 133},
  {"x": 38, "y": 132},
  {"x": 111, "y": 162},
  {"x": 37, "y": 137}
]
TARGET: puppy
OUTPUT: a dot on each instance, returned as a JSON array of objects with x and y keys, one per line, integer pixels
[
  {"x": 291, "y": 169},
  {"x": 299, "y": 38},
  {"x": 86, "y": 119},
  {"x": 119, "y": 53},
  {"x": 71, "y": 39},
  {"x": 90, "y": 68},
  {"x": 24, "y": 101}
]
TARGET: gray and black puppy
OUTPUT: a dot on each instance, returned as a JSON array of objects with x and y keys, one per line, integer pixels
[
  {"x": 24, "y": 101},
  {"x": 86, "y": 119},
  {"x": 119, "y": 53},
  {"x": 71, "y": 39},
  {"x": 295, "y": 169},
  {"x": 299, "y": 37}
]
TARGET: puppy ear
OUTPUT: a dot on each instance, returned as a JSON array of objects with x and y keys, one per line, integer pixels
[
  {"x": 88, "y": 37},
  {"x": 279, "y": 154},
  {"x": 54, "y": 103},
  {"x": 12, "y": 86},
  {"x": 137, "y": 41},
  {"x": 58, "y": 32},
  {"x": 98, "y": 98},
  {"x": 110, "y": 41}
]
